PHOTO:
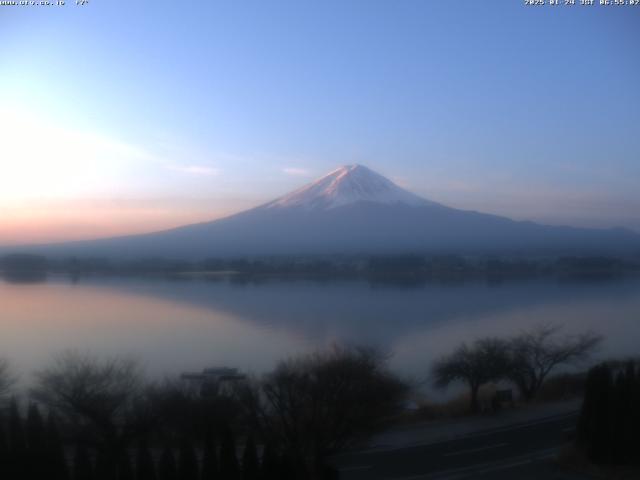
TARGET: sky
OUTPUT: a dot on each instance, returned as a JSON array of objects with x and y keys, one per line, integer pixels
[{"x": 124, "y": 117}]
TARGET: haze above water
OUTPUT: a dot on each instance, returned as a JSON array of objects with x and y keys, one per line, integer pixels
[{"x": 178, "y": 325}]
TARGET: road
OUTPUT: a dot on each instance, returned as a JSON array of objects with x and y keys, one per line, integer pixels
[{"x": 523, "y": 451}]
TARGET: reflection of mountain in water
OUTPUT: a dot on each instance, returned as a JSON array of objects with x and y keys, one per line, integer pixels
[{"x": 376, "y": 314}]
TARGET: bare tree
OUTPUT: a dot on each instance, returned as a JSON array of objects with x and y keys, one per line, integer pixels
[
  {"x": 536, "y": 352},
  {"x": 6, "y": 379},
  {"x": 318, "y": 404},
  {"x": 484, "y": 361},
  {"x": 100, "y": 398}
]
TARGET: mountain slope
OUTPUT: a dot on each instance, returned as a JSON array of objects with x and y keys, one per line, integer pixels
[{"x": 354, "y": 210}]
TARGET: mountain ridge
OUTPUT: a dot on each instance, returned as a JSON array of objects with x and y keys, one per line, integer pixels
[{"x": 352, "y": 210}]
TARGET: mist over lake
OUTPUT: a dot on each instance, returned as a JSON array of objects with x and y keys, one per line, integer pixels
[{"x": 173, "y": 326}]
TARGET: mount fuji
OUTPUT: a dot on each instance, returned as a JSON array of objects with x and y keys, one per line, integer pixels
[
  {"x": 348, "y": 185},
  {"x": 353, "y": 210}
]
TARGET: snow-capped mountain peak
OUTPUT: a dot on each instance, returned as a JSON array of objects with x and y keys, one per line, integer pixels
[{"x": 347, "y": 185}]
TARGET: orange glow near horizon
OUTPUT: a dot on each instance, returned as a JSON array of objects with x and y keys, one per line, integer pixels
[
  {"x": 73, "y": 221},
  {"x": 32, "y": 229}
]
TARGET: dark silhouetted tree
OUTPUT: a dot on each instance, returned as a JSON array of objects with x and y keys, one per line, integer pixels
[
  {"x": 628, "y": 403},
  {"x": 187, "y": 410},
  {"x": 269, "y": 467},
  {"x": 145, "y": 468},
  {"x": 99, "y": 398},
  {"x": 635, "y": 419},
  {"x": 56, "y": 460},
  {"x": 36, "y": 444},
  {"x": 622, "y": 433},
  {"x": 229, "y": 469},
  {"x": 535, "y": 353},
  {"x": 486, "y": 360},
  {"x": 210, "y": 468},
  {"x": 599, "y": 450},
  {"x": 6, "y": 379},
  {"x": 288, "y": 467},
  {"x": 5, "y": 466},
  {"x": 167, "y": 468},
  {"x": 125, "y": 469},
  {"x": 35, "y": 430},
  {"x": 315, "y": 405},
  {"x": 106, "y": 464},
  {"x": 82, "y": 464},
  {"x": 250, "y": 465},
  {"x": 608, "y": 424},
  {"x": 187, "y": 461},
  {"x": 18, "y": 461}
]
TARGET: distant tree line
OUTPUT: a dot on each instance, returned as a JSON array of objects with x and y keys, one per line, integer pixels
[
  {"x": 376, "y": 267},
  {"x": 610, "y": 417},
  {"x": 104, "y": 421},
  {"x": 525, "y": 360},
  {"x": 24, "y": 267}
]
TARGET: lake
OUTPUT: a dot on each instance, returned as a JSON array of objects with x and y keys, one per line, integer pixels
[{"x": 173, "y": 326}]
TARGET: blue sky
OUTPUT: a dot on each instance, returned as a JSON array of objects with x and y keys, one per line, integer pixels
[{"x": 130, "y": 116}]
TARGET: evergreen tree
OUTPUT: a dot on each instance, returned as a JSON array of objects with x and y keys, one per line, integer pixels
[
  {"x": 250, "y": 466},
  {"x": 4, "y": 448},
  {"x": 585, "y": 420},
  {"x": 210, "y": 470},
  {"x": 187, "y": 461},
  {"x": 608, "y": 424},
  {"x": 17, "y": 444},
  {"x": 35, "y": 430},
  {"x": 16, "y": 429},
  {"x": 627, "y": 433},
  {"x": 600, "y": 441},
  {"x": 618, "y": 417},
  {"x": 125, "y": 470},
  {"x": 145, "y": 467},
  {"x": 82, "y": 465},
  {"x": 106, "y": 468},
  {"x": 270, "y": 464},
  {"x": 56, "y": 460},
  {"x": 37, "y": 467},
  {"x": 229, "y": 469},
  {"x": 167, "y": 469},
  {"x": 635, "y": 420},
  {"x": 287, "y": 467}
]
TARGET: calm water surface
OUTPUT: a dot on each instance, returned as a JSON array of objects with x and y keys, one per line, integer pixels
[{"x": 173, "y": 326}]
